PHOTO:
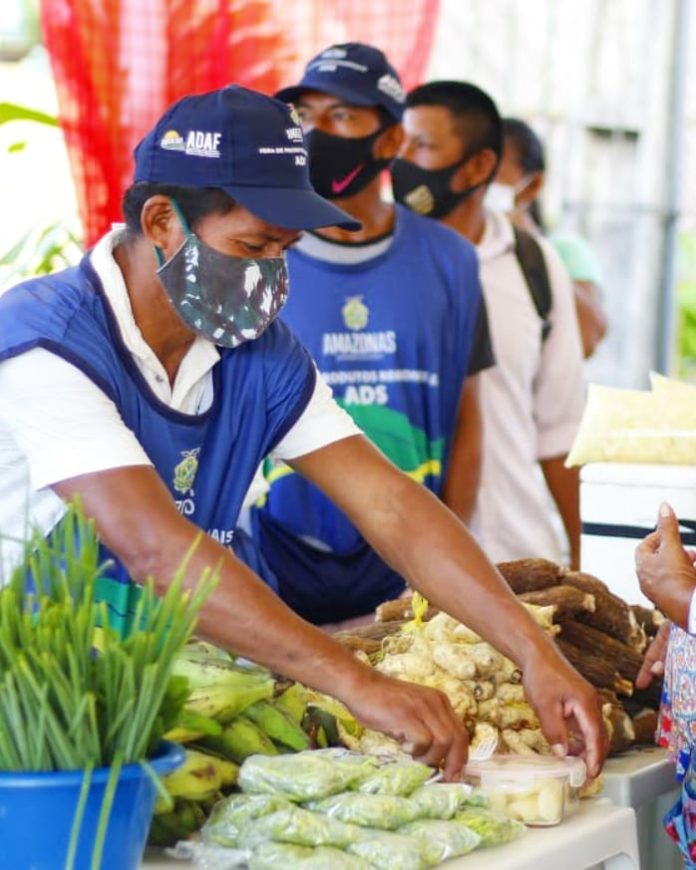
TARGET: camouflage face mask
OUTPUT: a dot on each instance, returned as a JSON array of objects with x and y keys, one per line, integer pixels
[{"x": 228, "y": 300}]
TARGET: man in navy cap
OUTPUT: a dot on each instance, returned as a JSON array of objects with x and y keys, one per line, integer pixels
[
  {"x": 151, "y": 379},
  {"x": 394, "y": 318}
]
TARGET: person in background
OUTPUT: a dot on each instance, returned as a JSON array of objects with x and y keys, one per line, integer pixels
[
  {"x": 533, "y": 399},
  {"x": 393, "y": 316},
  {"x": 151, "y": 380},
  {"x": 667, "y": 575},
  {"x": 516, "y": 190}
]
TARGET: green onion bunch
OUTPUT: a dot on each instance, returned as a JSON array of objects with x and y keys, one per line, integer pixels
[{"x": 74, "y": 694}]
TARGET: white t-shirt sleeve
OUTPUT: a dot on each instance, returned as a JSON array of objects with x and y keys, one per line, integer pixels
[
  {"x": 61, "y": 421},
  {"x": 559, "y": 395},
  {"x": 321, "y": 423}
]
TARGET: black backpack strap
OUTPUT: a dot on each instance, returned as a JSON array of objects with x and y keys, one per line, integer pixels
[{"x": 531, "y": 259}]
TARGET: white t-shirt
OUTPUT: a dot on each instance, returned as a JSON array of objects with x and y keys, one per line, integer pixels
[
  {"x": 531, "y": 401},
  {"x": 56, "y": 424}
]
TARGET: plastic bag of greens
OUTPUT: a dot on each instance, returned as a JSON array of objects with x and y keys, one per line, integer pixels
[
  {"x": 234, "y": 813},
  {"x": 384, "y": 850},
  {"x": 396, "y": 777},
  {"x": 298, "y": 826},
  {"x": 385, "y": 812},
  {"x": 493, "y": 828},
  {"x": 304, "y": 776},
  {"x": 451, "y": 838},
  {"x": 441, "y": 800},
  {"x": 284, "y": 856}
]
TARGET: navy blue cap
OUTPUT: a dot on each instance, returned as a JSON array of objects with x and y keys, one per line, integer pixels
[
  {"x": 357, "y": 73},
  {"x": 249, "y": 145}
]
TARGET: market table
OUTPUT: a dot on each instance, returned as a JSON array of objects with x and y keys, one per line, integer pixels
[
  {"x": 598, "y": 832},
  {"x": 643, "y": 779}
]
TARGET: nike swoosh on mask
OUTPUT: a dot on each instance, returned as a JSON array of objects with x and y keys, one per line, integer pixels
[{"x": 340, "y": 186}]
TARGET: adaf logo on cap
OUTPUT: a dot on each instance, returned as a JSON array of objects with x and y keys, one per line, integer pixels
[
  {"x": 172, "y": 141},
  {"x": 391, "y": 86}
]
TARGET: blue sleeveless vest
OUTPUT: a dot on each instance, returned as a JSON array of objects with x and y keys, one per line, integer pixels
[{"x": 207, "y": 461}]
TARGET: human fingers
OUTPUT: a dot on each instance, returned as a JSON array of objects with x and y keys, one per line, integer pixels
[
  {"x": 587, "y": 714},
  {"x": 648, "y": 546},
  {"x": 450, "y": 745},
  {"x": 668, "y": 528},
  {"x": 654, "y": 659},
  {"x": 447, "y": 742}
]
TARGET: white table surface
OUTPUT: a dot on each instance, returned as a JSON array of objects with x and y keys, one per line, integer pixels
[
  {"x": 595, "y": 832},
  {"x": 638, "y": 776}
]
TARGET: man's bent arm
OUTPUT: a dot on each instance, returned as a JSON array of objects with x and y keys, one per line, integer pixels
[
  {"x": 564, "y": 485},
  {"x": 137, "y": 520},
  {"x": 464, "y": 471}
]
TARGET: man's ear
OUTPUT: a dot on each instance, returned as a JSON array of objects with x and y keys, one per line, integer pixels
[
  {"x": 477, "y": 170},
  {"x": 389, "y": 143},
  {"x": 160, "y": 223}
]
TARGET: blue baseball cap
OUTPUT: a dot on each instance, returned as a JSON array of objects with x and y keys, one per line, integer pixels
[
  {"x": 357, "y": 73},
  {"x": 245, "y": 143}
]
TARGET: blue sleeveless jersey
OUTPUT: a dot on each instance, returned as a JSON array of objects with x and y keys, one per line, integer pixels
[
  {"x": 392, "y": 336},
  {"x": 207, "y": 461}
]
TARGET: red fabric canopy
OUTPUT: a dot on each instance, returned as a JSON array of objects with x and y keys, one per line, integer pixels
[{"x": 119, "y": 63}]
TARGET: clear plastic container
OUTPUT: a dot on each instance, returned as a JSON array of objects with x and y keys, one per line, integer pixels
[{"x": 539, "y": 790}]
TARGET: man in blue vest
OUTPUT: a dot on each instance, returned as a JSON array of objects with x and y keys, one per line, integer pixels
[
  {"x": 151, "y": 379},
  {"x": 392, "y": 315}
]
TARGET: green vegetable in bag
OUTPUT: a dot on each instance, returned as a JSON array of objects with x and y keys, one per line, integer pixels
[
  {"x": 304, "y": 776},
  {"x": 283, "y": 856},
  {"x": 451, "y": 838},
  {"x": 381, "y": 811},
  {"x": 298, "y": 826},
  {"x": 493, "y": 828},
  {"x": 231, "y": 815},
  {"x": 441, "y": 800},
  {"x": 384, "y": 850},
  {"x": 396, "y": 778}
]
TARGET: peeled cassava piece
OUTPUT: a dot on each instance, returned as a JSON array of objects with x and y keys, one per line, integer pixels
[
  {"x": 568, "y": 600},
  {"x": 529, "y": 575}
]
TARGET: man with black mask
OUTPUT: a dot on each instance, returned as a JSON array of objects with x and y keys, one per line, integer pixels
[
  {"x": 533, "y": 399},
  {"x": 393, "y": 316}
]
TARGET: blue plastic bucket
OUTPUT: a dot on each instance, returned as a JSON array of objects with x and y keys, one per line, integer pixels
[{"x": 37, "y": 812}]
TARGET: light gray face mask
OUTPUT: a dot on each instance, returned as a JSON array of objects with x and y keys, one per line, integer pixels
[
  {"x": 228, "y": 300},
  {"x": 501, "y": 197}
]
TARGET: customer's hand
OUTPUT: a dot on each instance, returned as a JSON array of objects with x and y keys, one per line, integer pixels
[
  {"x": 420, "y": 719},
  {"x": 568, "y": 708},
  {"x": 665, "y": 569},
  {"x": 654, "y": 660}
]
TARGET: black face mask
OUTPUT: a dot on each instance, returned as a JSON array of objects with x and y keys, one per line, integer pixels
[
  {"x": 340, "y": 167},
  {"x": 427, "y": 191}
]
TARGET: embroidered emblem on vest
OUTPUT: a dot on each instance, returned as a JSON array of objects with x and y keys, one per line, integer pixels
[{"x": 185, "y": 471}]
